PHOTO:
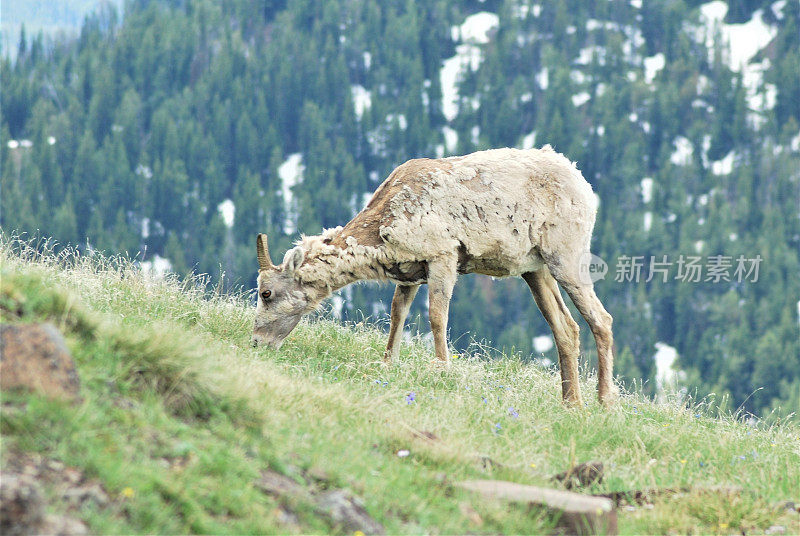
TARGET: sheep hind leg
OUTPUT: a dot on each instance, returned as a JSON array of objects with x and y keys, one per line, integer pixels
[
  {"x": 401, "y": 303},
  {"x": 565, "y": 330},
  {"x": 599, "y": 320}
]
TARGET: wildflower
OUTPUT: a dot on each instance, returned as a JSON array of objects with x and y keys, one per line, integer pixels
[
  {"x": 403, "y": 453},
  {"x": 683, "y": 460},
  {"x": 411, "y": 397},
  {"x": 696, "y": 415},
  {"x": 497, "y": 427},
  {"x": 533, "y": 466},
  {"x": 456, "y": 356},
  {"x": 358, "y": 533},
  {"x": 128, "y": 492},
  {"x": 514, "y": 413},
  {"x": 723, "y": 526},
  {"x": 484, "y": 400}
]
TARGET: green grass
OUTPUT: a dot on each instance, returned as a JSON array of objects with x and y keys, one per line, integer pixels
[{"x": 178, "y": 408}]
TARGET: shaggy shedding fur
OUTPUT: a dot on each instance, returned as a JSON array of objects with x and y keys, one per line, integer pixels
[{"x": 503, "y": 212}]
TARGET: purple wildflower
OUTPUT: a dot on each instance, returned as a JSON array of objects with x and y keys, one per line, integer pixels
[
  {"x": 411, "y": 397},
  {"x": 514, "y": 413}
]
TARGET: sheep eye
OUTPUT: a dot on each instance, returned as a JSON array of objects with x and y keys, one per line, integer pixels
[{"x": 266, "y": 294}]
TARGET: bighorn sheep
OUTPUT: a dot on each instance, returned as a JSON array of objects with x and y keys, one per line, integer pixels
[{"x": 503, "y": 212}]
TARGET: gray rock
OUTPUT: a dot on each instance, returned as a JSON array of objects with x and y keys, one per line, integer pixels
[
  {"x": 280, "y": 486},
  {"x": 63, "y": 526},
  {"x": 340, "y": 507},
  {"x": 77, "y": 496},
  {"x": 21, "y": 505},
  {"x": 346, "y": 510}
]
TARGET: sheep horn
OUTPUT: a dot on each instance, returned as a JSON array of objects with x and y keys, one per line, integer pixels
[{"x": 262, "y": 251}]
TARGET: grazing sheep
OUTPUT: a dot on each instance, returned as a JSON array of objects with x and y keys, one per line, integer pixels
[{"x": 503, "y": 212}]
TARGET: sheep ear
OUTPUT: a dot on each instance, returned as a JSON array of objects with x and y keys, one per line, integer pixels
[{"x": 294, "y": 258}]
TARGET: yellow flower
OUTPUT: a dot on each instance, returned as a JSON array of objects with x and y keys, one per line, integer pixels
[
  {"x": 128, "y": 492},
  {"x": 533, "y": 465},
  {"x": 723, "y": 525},
  {"x": 456, "y": 356},
  {"x": 358, "y": 533},
  {"x": 683, "y": 461}
]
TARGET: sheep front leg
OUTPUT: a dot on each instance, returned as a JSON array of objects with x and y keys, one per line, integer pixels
[
  {"x": 401, "y": 303},
  {"x": 442, "y": 276}
]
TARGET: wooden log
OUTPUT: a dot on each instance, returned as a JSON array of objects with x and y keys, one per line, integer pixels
[{"x": 576, "y": 513}]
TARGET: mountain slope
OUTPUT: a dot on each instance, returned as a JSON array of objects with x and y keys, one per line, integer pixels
[
  {"x": 183, "y": 129},
  {"x": 181, "y": 418}
]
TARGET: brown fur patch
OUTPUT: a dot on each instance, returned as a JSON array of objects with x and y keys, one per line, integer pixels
[{"x": 365, "y": 226}]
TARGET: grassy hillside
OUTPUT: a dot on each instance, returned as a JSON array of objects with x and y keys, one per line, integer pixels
[{"x": 180, "y": 416}]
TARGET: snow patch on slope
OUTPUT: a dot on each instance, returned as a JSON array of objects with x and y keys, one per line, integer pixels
[
  {"x": 743, "y": 40},
  {"x": 529, "y": 141},
  {"x": 580, "y": 99},
  {"x": 725, "y": 165},
  {"x": 227, "y": 210},
  {"x": 682, "y": 156},
  {"x": 667, "y": 377},
  {"x": 740, "y": 44},
  {"x": 647, "y": 189},
  {"x": 450, "y": 139},
  {"x": 542, "y": 343},
  {"x": 652, "y": 65},
  {"x": 157, "y": 268},
  {"x": 362, "y": 99},
  {"x": 291, "y": 174},
  {"x": 472, "y": 33}
]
